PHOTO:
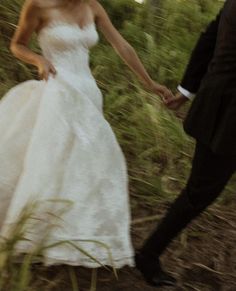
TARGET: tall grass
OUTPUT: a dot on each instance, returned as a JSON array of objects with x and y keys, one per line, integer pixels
[
  {"x": 26, "y": 242},
  {"x": 157, "y": 150}
]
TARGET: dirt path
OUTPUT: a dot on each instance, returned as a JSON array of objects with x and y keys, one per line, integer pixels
[{"x": 203, "y": 258}]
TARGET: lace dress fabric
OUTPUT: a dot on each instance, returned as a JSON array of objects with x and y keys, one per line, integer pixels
[{"x": 59, "y": 155}]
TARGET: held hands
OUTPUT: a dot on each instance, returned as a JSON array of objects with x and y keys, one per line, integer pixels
[
  {"x": 45, "y": 68},
  {"x": 176, "y": 102},
  {"x": 170, "y": 101},
  {"x": 162, "y": 91}
]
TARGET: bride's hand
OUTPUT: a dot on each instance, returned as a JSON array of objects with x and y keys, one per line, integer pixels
[
  {"x": 45, "y": 68},
  {"x": 162, "y": 91},
  {"x": 176, "y": 103}
]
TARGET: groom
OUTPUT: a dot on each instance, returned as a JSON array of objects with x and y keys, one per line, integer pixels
[{"x": 212, "y": 122}]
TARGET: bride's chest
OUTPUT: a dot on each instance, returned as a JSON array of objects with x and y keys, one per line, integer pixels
[{"x": 63, "y": 37}]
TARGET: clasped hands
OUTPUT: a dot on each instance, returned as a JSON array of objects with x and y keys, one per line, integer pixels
[{"x": 171, "y": 101}]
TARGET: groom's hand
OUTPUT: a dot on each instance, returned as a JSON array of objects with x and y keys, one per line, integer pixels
[
  {"x": 162, "y": 91},
  {"x": 176, "y": 102}
]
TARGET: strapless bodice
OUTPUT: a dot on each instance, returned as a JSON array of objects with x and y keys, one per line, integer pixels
[{"x": 67, "y": 45}]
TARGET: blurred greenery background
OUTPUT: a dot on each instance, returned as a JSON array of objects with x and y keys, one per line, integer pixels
[
  {"x": 163, "y": 32},
  {"x": 158, "y": 152}
]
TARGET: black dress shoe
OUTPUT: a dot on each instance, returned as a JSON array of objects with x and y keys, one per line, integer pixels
[{"x": 152, "y": 271}]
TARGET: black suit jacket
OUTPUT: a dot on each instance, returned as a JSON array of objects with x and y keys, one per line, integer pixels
[{"x": 212, "y": 74}]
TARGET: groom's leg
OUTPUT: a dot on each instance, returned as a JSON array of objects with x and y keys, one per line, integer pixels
[{"x": 210, "y": 173}]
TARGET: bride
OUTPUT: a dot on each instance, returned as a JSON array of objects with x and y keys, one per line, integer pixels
[{"x": 56, "y": 148}]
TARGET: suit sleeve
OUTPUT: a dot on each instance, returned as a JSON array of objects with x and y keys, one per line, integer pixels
[{"x": 201, "y": 57}]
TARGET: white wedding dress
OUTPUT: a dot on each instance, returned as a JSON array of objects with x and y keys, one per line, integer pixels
[{"x": 58, "y": 151}]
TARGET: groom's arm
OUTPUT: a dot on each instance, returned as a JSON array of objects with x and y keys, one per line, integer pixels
[{"x": 200, "y": 60}]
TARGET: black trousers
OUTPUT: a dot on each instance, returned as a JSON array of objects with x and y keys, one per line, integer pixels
[{"x": 210, "y": 173}]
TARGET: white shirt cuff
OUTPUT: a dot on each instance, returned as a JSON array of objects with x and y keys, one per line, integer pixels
[{"x": 186, "y": 93}]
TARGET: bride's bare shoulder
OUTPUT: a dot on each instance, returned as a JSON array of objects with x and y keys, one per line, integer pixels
[
  {"x": 33, "y": 6},
  {"x": 35, "y": 11},
  {"x": 43, "y": 3},
  {"x": 96, "y": 7},
  {"x": 31, "y": 3},
  {"x": 94, "y": 4},
  {"x": 30, "y": 10}
]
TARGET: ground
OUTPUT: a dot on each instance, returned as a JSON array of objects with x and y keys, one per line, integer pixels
[{"x": 203, "y": 258}]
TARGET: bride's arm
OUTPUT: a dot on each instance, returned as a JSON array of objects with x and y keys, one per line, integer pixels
[
  {"x": 126, "y": 51},
  {"x": 28, "y": 23}
]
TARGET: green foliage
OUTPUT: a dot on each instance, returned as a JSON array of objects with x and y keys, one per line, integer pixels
[
  {"x": 163, "y": 34},
  {"x": 157, "y": 150},
  {"x": 120, "y": 11},
  {"x": 12, "y": 70}
]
